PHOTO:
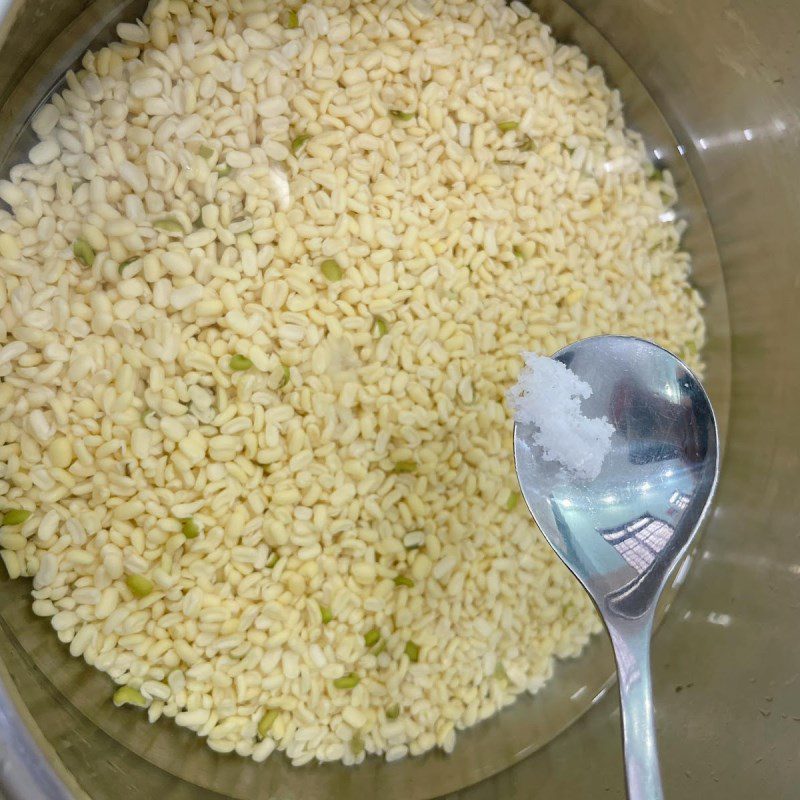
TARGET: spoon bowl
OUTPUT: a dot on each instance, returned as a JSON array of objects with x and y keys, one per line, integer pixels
[{"x": 623, "y": 533}]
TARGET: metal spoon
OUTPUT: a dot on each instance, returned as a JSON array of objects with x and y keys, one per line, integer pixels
[{"x": 623, "y": 533}]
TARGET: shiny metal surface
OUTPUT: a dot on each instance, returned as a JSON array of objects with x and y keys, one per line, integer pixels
[
  {"x": 622, "y": 533},
  {"x": 724, "y": 73}
]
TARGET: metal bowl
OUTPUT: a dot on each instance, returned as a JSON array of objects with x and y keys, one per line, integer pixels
[{"x": 714, "y": 89}]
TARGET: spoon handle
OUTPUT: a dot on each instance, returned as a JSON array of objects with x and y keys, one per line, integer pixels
[{"x": 632, "y": 653}]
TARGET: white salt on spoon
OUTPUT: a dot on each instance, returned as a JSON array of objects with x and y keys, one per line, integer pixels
[{"x": 547, "y": 396}]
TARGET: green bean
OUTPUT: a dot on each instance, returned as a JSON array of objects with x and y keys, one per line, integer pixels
[
  {"x": 508, "y": 125},
  {"x": 349, "y": 681},
  {"x": 412, "y": 651},
  {"x": 286, "y": 376},
  {"x": 189, "y": 528},
  {"x": 357, "y": 744},
  {"x": 405, "y": 116},
  {"x": 292, "y": 21},
  {"x": 393, "y": 712},
  {"x": 326, "y": 614},
  {"x": 379, "y": 327},
  {"x": 512, "y": 501},
  {"x": 273, "y": 560},
  {"x": 224, "y": 170},
  {"x": 240, "y": 363},
  {"x": 299, "y": 141},
  {"x": 206, "y": 152},
  {"x": 139, "y": 585},
  {"x": 266, "y": 722},
  {"x": 127, "y": 262},
  {"x": 403, "y": 580},
  {"x": 15, "y": 516},
  {"x": 331, "y": 270},
  {"x": 83, "y": 252},
  {"x": 372, "y": 637},
  {"x": 168, "y": 225},
  {"x": 403, "y": 467},
  {"x": 128, "y": 696}
]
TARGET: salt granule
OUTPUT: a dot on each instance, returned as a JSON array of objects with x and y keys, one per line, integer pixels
[{"x": 548, "y": 397}]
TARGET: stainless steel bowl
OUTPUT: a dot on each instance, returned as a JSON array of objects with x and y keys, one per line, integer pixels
[{"x": 723, "y": 75}]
